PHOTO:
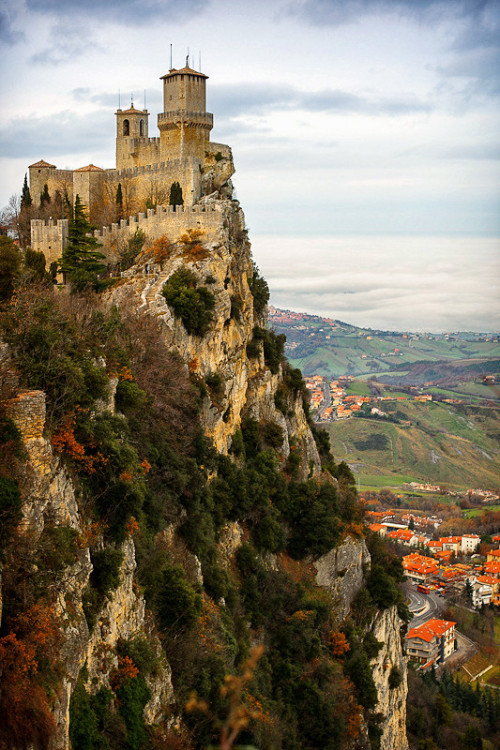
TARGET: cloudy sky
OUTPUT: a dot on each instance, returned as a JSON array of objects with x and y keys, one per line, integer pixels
[{"x": 365, "y": 134}]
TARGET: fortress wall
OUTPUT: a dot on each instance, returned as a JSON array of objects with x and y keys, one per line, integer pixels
[
  {"x": 163, "y": 221},
  {"x": 49, "y": 237},
  {"x": 133, "y": 151},
  {"x": 153, "y": 182},
  {"x": 55, "y": 179}
]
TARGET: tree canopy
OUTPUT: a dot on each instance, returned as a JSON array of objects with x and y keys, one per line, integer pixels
[{"x": 81, "y": 262}]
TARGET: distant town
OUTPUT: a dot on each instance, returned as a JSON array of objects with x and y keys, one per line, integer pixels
[
  {"x": 331, "y": 400},
  {"x": 450, "y": 567}
]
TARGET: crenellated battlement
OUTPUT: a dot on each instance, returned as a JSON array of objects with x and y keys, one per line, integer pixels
[
  {"x": 163, "y": 221},
  {"x": 173, "y": 216}
]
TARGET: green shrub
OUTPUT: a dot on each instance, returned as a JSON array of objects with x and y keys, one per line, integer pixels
[
  {"x": 129, "y": 396},
  {"x": 322, "y": 440},
  {"x": 10, "y": 508},
  {"x": 178, "y": 605},
  {"x": 267, "y": 531},
  {"x": 237, "y": 445},
  {"x": 260, "y": 291},
  {"x": 382, "y": 588},
  {"x": 132, "y": 698},
  {"x": 218, "y": 156},
  {"x": 395, "y": 678},
  {"x": 281, "y": 399},
  {"x": 251, "y": 437},
  {"x": 129, "y": 253},
  {"x": 236, "y": 307},
  {"x": 272, "y": 434},
  {"x": 357, "y": 667},
  {"x": 191, "y": 303},
  {"x": 57, "y": 548},
  {"x": 253, "y": 348},
  {"x": 371, "y": 645},
  {"x": 141, "y": 652},
  {"x": 105, "y": 576},
  {"x": 215, "y": 383}
]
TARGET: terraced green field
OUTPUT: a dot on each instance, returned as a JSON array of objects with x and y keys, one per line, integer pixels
[{"x": 456, "y": 446}]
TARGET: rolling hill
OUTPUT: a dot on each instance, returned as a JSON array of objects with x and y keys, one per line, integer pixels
[{"x": 453, "y": 445}]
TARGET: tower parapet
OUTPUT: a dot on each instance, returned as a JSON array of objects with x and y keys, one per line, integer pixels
[{"x": 184, "y": 124}]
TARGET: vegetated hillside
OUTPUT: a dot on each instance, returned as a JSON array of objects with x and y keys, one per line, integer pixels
[
  {"x": 452, "y": 444},
  {"x": 331, "y": 347},
  {"x": 180, "y": 566}
]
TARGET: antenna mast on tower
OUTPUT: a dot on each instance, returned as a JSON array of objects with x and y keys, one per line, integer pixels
[{"x": 170, "y": 57}]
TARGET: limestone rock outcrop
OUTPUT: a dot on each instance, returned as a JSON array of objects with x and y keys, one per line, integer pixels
[
  {"x": 342, "y": 572},
  {"x": 389, "y": 666},
  {"x": 224, "y": 266},
  {"x": 49, "y": 496}
]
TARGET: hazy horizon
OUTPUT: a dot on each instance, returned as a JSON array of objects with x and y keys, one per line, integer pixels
[{"x": 435, "y": 284}]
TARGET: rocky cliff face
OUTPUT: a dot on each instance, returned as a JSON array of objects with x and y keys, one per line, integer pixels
[
  {"x": 249, "y": 387},
  {"x": 343, "y": 573},
  {"x": 390, "y": 669},
  {"x": 49, "y": 497}
]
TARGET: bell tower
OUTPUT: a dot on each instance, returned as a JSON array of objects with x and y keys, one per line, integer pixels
[
  {"x": 184, "y": 124},
  {"x": 131, "y": 127}
]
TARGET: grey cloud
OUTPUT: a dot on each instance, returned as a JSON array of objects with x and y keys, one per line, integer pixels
[
  {"x": 67, "y": 42},
  {"x": 8, "y": 35},
  {"x": 109, "y": 100},
  {"x": 132, "y": 12},
  {"x": 52, "y": 135},
  {"x": 248, "y": 98},
  {"x": 339, "y": 12}
]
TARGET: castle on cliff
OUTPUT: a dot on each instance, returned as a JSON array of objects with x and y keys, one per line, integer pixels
[{"x": 146, "y": 169}]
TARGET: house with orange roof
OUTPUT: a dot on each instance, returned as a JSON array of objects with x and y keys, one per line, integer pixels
[
  {"x": 492, "y": 567},
  {"x": 451, "y": 542},
  {"x": 493, "y": 555},
  {"x": 444, "y": 555},
  {"x": 435, "y": 546},
  {"x": 431, "y": 643},
  {"x": 495, "y": 538},
  {"x": 420, "y": 569},
  {"x": 378, "y": 528}
]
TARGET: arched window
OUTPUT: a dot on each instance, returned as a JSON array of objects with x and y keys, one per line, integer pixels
[
  {"x": 141, "y": 128},
  {"x": 126, "y": 127}
]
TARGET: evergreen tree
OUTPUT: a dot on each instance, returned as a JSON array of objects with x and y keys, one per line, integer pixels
[
  {"x": 10, "y": 262},
  {"x": 81, "y": 262},
  {"x": 25, "y": 194},
  {"x": 44, "y": 196},
  {"x": 119, "y": 201},
  {"x": 176, "y": 198}
]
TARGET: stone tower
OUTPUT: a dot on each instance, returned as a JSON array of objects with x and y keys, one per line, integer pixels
[
  {"x": 184, "y": 124},
  {"x": 131, "y": 129}
]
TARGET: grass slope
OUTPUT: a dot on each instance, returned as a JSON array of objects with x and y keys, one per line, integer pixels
[
  {"x": 332, "y": 348},
  {"x": 453, "y": 445}
]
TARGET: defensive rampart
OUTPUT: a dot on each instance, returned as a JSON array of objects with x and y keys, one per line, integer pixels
[{"x": 51, "y": 237}]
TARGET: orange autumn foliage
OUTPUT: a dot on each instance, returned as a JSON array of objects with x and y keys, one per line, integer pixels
[
  {"x": 64, "y": 442},
  {"x": 24, "y": 707},
  {"x": 126, "y": 671},
  {"x": 338, "y": 644},
  {"x": 161, "y": 249},
  {"x": 132, "y": 526}
]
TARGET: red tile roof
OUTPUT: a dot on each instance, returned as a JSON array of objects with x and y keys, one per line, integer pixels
[{"x": 431, "y": 629}]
